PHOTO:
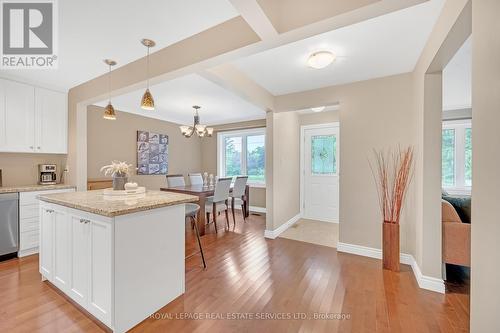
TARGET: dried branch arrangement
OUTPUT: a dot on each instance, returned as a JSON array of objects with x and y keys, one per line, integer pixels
[{"x": 392, "y": 171}]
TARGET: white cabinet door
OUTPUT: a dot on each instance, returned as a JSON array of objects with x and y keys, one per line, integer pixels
[
  {"x": 62, "y": 263},
  {"x": 18, "y": 117},
  {"x": 80, "y": 259},
  {"x": 51, "y": 114},
  {"x": 46, "y": 241},
  {"x": 100, "y": 270}
]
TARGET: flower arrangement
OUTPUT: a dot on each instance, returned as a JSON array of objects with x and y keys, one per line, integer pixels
[{"x": 117, "y": 168}]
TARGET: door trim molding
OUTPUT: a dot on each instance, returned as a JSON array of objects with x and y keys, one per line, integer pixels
[{"x": 303, "y": 129}]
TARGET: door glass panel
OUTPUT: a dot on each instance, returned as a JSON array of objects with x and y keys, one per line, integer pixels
[
  {"x": 448, "y": 158},
  {"x": 323, "y": 154}
]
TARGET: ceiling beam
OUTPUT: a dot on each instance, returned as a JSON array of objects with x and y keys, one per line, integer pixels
[
  {"x": 253, "y": 14},
  {"x": 220, "y": 44},
  {"x": 232, "y": 79}
]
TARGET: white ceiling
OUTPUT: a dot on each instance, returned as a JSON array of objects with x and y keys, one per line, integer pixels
[
  {"x": 174, "y": 100},
  {"x": 385, "y": 45},
  {"x": 457, "y": 79},
  {"x": 92, "y": 30}
]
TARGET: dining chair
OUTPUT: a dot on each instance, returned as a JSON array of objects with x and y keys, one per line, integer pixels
[
  {"x": 175, "y": 180},
  {"x": 218, "y": 203},
  {"x": 195, "y": 179},
  {"x": 238, "y": 196},
  {"x": 191, "y": 213}
]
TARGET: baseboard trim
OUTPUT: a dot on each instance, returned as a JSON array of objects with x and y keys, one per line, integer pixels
[
  {"x": 28, "y": 252},
  {"x": 255, "y": 209},
  {"x": 272, "y": 234},
  {"x": 424, "y": 282}
]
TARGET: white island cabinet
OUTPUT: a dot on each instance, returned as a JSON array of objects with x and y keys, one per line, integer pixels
[{"x": 119, "y": 260}]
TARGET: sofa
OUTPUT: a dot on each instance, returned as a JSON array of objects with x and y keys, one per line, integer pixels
[{"x": 456, "y": 236}]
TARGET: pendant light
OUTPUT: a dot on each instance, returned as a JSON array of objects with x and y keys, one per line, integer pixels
[
  {"x": 147, "y": 102},
  {"x": 109, "y": 111}
]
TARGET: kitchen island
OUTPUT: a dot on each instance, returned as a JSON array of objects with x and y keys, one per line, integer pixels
[{"x": 119, "y": 259}]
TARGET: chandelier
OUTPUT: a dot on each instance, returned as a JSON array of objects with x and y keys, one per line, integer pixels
[{"x": 200, "y": 130}]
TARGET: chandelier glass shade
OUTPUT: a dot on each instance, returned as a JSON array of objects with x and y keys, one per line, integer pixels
[{"x": 199, "y": 129}]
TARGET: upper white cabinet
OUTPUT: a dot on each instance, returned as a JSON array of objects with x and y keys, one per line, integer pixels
[
  {"x": 32, "y": 119},
  {"x": 51, "y": 119},
  {"x": 17, "y": 117}
]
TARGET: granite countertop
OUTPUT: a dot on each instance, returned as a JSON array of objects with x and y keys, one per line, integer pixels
[
  {"x": 95, "y": 202},
  {"x": 35, "y": 187}
]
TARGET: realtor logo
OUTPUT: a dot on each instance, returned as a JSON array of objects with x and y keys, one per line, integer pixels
[{"x": 28, "y": 34}]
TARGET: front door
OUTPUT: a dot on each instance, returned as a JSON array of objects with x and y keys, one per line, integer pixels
[{"x": 320, "y": 172}]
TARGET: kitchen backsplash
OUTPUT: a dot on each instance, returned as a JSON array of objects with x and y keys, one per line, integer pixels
[{"x": 22, "y": 169}]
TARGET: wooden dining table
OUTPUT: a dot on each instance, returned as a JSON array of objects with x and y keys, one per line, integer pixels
[{"x": 203, "y": 192}]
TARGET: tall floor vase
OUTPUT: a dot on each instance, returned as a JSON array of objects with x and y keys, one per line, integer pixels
[{"x": 390, "y": 246}]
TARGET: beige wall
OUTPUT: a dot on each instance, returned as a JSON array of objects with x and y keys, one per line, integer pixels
[
  {"x": 378, "y": 114},
  {"x": 22, "y": 169},
  {"x": 209, "y": 156},
  {"x": 485, "y": 271},
  {"x": 285, "y": 179},
  {"x": 373, "y": 114},
  {"x": 116, "y": 140},
  {"x": 319, "y": 118}
]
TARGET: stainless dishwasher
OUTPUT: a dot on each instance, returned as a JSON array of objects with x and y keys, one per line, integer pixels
[{"x": 9, "y": 223}]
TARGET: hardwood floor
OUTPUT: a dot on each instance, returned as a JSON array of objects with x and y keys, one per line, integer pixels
[{"x": 251, "y": 276}]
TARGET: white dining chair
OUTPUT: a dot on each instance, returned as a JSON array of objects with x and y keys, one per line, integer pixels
[
  {"x": 175, "y": 180},
  {"x": 195, "y": 179},
  {"x": 218, "y": 203},
  {"x": 192, "y": 213},
  {"x": 238, "y": 196}
]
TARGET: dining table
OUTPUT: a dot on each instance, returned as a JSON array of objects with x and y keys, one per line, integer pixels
[{"x": 203, "y": 192}]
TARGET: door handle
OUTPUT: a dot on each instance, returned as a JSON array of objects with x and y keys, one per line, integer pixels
[{"x": 38, "y": 147}]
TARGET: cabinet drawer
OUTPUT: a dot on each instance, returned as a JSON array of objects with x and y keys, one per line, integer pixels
[
  {"x": 28, "y": 239},
  {"x": 29, "y": 224},
  {"x": 28, "y": 211}
]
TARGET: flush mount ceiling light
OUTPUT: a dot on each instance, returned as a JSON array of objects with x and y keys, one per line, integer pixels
[
  {"x": 320, "y": 59},
  {"x": 147, "y": 101},
  {"x": 200, "y": 130},
  {"x": 109, "y": 111},
  {"x": 318, "y": 109}
]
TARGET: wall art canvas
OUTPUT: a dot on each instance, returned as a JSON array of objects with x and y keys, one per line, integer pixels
[{"x": 152, "y": 153}]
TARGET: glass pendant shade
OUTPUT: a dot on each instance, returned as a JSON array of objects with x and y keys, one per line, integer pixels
[
  {"x": 210, "y": 131},
  {"x": 109, "y": 112},
  {"x": 147, "y": 102},
  {"x": 200, "y": 129},
  {"x": 185, "y": 130}
]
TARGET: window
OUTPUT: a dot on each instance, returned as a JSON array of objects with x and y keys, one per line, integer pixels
[
  {"x": 242, "y": 153},
  {"x": 456, "y": 158}
]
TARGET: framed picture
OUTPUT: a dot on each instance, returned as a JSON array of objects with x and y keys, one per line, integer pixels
[{"x": 152, "y": 153}]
